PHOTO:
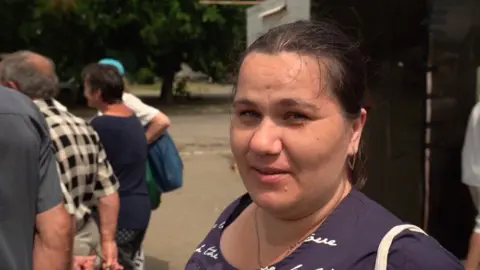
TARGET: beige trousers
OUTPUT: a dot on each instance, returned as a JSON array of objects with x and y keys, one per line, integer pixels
[{"x": 87, "y": 240}]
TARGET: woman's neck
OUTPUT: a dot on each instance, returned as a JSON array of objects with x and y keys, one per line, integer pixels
[
  {"x": 287, "y": 230},
  {"x": 116, "y": 109}
]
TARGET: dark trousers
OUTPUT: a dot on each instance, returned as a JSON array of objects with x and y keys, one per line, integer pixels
[{"x": 129, "y": 242}]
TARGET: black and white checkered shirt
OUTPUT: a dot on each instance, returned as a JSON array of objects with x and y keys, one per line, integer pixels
[{"x": 82, "y": 162}]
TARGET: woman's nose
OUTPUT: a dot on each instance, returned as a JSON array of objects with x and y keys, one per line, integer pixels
[{"x": 266, "y": 139}]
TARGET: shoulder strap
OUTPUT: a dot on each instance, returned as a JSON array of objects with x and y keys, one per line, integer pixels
[{"x": 384, "y": 247}]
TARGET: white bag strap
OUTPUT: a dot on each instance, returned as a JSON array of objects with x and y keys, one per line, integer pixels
[{"x": 384, "y": 247}]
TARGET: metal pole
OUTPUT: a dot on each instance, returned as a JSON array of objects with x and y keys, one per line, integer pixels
[{"x": 428, "y": 133}]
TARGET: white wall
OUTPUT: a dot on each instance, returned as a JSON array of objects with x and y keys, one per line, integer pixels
[{"x": 258, "y": 24}]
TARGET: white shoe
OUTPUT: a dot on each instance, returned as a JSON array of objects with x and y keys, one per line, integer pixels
[{"x": 139, "y": 260}]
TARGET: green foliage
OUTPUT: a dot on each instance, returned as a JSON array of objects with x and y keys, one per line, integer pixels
[
  {"x": 148, "y": 36},
  {"x": 180, "y": 88},
  {"x": 144, "y": 76}
]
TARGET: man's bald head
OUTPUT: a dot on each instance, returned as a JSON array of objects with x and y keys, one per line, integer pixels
[
  {"x": 30, "y": 73},
  {"x": 40, "y": 62}
]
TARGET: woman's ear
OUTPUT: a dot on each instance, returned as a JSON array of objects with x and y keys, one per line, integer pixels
[
  {"x": 97, "y": 94},
  {"x": 357, "y": 129}
]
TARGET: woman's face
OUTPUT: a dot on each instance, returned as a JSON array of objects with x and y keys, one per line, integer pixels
[{"x": 288, "y": 134}]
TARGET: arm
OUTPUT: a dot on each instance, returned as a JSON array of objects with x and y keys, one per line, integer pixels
[
  {"x": 54, "y": 240},
  {"x": 157, "y": 126},
  {"x": 54, "y": 226},
  {"x": 108, "y": 210},
  {"x": 471, "y": 148},
  {"x": 106, "y": 193},
  {"x": 157, "y": 121}
]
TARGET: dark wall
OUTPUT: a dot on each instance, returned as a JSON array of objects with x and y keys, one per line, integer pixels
[
  {"x": 395, "y": 136},
  {"x": 384, "y": 27},
  {"x": 451, "y": 212},
  {"x": 395, "y": 37},
  {"x": 454, "y": 56},
  {"x": 395, "y": 42}
]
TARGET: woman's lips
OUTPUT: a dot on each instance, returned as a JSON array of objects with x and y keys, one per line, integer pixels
[{"x": 268, "y": 175}]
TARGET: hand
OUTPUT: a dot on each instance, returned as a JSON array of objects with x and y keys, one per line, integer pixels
[
  {"x": 110, "y": 254},
  {"x": 83, "y": 262}
]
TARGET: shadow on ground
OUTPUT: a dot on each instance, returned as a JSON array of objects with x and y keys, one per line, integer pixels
[{"x": 152, "y": 263}]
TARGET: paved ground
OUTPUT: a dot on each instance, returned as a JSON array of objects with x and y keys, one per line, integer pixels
[
  {"x": 185, "y": 216},
  {"x": 200, "y": 132}
]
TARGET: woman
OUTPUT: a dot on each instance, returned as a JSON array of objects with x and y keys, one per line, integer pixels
[
  {"x": 155, "y": 121},
  {"x": 126, "y": 146},
  {"x": 296, "y": 134}
]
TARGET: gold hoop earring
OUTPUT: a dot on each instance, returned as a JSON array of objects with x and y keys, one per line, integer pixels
[{"x": 351, "y": 161}]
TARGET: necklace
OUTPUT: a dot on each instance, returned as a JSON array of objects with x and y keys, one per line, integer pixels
[{"x": 292, "y": 247}]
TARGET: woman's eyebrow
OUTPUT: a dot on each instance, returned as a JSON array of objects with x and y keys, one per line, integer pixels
[
  {"x": 244, "y": 102},
  {"x": 284, "y": 102},
  {"x": 292, "y": 102}
]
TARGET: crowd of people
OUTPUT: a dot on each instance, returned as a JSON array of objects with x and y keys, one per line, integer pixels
[
  {"x": 296, "y": 134},
  {"x": 95, "y": 173}
]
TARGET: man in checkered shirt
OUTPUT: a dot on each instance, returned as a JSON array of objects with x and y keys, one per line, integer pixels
[{"x": 86, "y": 174}]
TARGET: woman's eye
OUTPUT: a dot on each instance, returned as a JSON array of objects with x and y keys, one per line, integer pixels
[
  {"x": 249, "y": 114},
  {"x": 294, "y": 116}
]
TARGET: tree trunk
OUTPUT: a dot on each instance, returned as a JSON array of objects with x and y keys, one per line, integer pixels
[{"x": 166, "y": 96}]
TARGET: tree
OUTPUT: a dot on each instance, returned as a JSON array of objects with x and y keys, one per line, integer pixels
[
  {"x": 159, "y": 35},
  {"x": 63, "y": 30},
  {"x": 16, "y": 19},
  {"x": 204, "y": 36}
]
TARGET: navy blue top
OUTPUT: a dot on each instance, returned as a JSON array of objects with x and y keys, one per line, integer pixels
[
  {"x": 127, "y": 149},
  {"x": 347, "y": 240}
]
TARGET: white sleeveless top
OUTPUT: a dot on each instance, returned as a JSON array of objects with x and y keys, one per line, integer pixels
[
  {"x": 144, "y": 112},
  {"x": 471, "y": 150}
]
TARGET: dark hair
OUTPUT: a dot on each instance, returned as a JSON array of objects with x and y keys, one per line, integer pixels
[
  {"x": 347, "y": 78},
  {"x": 106, "y": 79}
]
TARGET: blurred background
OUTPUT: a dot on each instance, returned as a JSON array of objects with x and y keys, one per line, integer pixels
[{"x": 181, "y": 56}]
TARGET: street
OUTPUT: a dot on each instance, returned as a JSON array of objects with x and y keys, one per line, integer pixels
[{"x": 186, "y": 216}]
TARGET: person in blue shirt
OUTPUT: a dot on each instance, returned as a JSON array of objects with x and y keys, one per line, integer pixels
[
  {"x": 153, "y": 120},
  {"x": 123, "y": 137},
  {"x": 298, "y": 114}
]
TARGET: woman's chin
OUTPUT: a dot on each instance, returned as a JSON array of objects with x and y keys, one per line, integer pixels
[{"x": 273, "y": 201}]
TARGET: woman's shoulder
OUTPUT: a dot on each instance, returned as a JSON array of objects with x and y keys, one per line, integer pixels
[
  {"x": 101, "y": 118},
  {"x": 232, "y": 211},
  {"x": 209, "y": 247},
  {"x": 409, "y": 249},
  {"x": 115, "y": 120},
  {"x": 103, "y": 122},
  {"x": 363, "y": 213},
  {"x": 413, "y": 250},
  {"x": 107, "y": 124},
  {"x": 97, "y": 120}
]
